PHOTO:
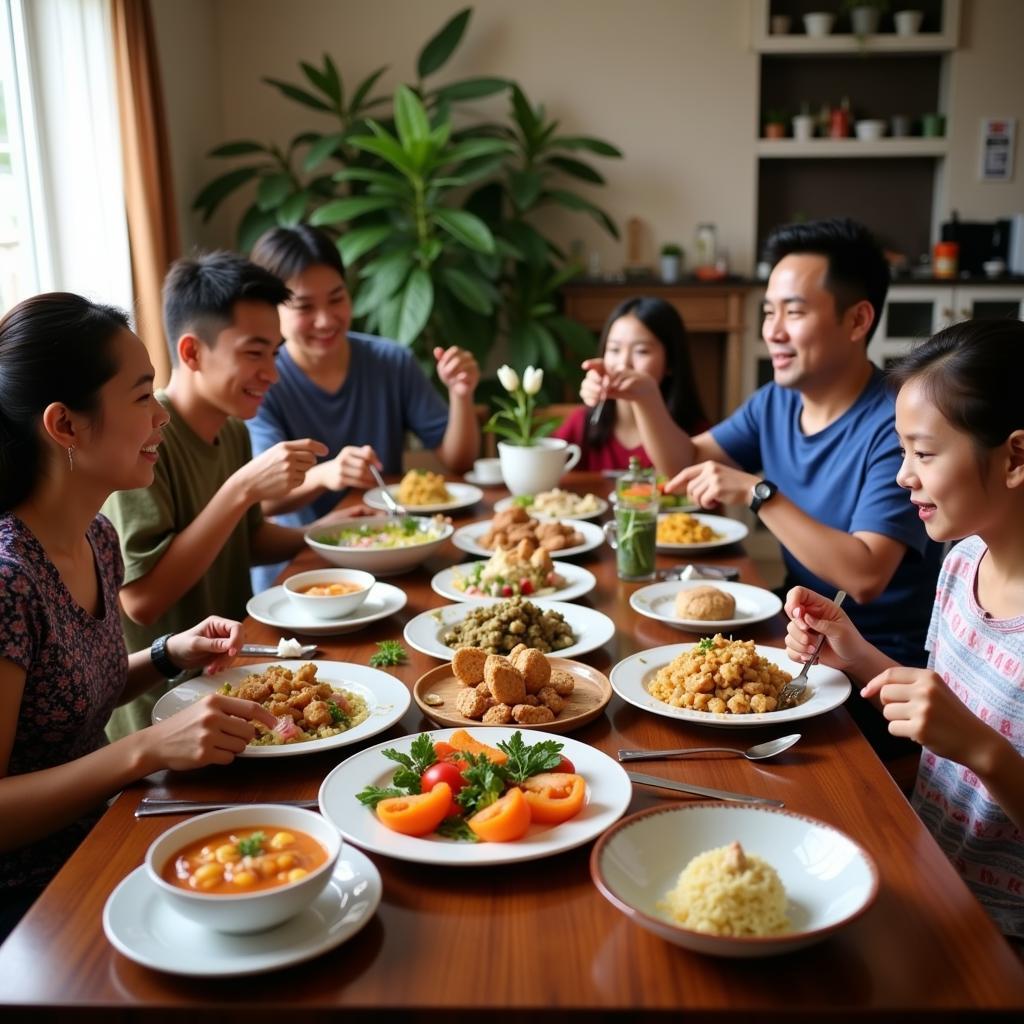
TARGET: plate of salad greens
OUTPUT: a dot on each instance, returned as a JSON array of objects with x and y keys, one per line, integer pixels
[{"x": 451, "y": 791}]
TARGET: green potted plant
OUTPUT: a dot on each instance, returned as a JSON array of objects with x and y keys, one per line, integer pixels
[
  {"x": 865, "y": 16},
  {"x": 775, "y": 124},
  {"x": 671, "y": 262}
]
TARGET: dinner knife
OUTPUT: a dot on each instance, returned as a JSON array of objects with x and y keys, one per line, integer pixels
[
  {"x": 713, "y": 794},
  {"x": 268, "y": 651},
  {"x": 150, "y": 806}
]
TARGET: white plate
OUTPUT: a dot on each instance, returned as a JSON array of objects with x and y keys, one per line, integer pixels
[
  {"x": 463, "y": 495},
  {"x": 591, "y": 628},
  {"x": 658, "y": 601},
  {"x": 386, "y": 697},
  {"x": 828, "y": 688},
  {"x": 578, "y": 581},
  {"x": 731, "y": 531},
  {"x": 466, "y": 538},
  {"x": 144, "y": 927},
  {"x": 829, "y": 879},
  {"x": 273, "y": 608},
  {"x": 509, "y": 502},
  {"x": 609, "y": 792}
]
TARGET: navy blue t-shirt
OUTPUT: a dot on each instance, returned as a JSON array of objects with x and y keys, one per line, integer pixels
[{"x": 845, "y": 477}]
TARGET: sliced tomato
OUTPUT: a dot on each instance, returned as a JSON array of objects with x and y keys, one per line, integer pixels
[
  {"x": 503, "y": 821},
  {"x": 443, "y": 751},
  {"x": 416, "y": 815},
  {"x": 554, "y": 797},
  {"x": 461, "y": 740},
  {"x": 449, "y": 773}
]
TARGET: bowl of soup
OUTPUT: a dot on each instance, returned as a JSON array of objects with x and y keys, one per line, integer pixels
[
  {"x": 244, "y": 869},
  {"x": 329, "y": 593}
]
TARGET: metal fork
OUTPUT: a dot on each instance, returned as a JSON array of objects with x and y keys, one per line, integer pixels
[
  {"x": 791, "y": 693},
  {"x": 393, "y": 507}
]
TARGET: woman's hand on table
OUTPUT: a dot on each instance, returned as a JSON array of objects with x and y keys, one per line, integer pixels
[
  {"x": 211, "y": 644},
  {"x": 711, "y": 484},
  {"x": 214, "y": 730}
]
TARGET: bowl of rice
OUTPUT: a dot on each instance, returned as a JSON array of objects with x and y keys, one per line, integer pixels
[
  {"x": 734, "y": 880},
  {"x": 382, "y": 545}
]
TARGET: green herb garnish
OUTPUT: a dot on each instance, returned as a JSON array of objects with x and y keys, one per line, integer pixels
[
  {"x": 523, "y": 500},
  {"x": 524, "y": 761},
  {"x": 389, "y": 652},
  {"x": 338, "y": 717},
  {"x": 412, "y": 765},
  {"x": 372, "y": 795},
  {"x": 707, "y": 644},
  {"x": 409, "y": 526},
  {"x": 252, "y": 846},
  {"x": 485, "y": 782},
  {"x": 456, "y": 828}
]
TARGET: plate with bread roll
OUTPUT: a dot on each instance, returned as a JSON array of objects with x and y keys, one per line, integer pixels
[
  {"x": 699, "y": 606},
  {"x": 527, "y": 689}
]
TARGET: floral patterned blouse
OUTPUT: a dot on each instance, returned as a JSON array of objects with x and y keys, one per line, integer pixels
[{"x": 75, "y": 667}]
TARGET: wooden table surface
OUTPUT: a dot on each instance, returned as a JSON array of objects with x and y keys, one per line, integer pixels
[{"x": 537, "y": 939}]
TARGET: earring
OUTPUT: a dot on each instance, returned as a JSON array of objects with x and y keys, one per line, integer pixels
[{"x": 71, "y": 460}]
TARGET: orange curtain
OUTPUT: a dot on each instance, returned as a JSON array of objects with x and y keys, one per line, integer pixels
[{"x": 149, "y": 195}]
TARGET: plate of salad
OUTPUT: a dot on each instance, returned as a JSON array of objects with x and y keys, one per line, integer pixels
[{"x": 491, "y": 796}]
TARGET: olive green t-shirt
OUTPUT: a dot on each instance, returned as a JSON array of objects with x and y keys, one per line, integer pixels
[{"x": 188, "y": 474}]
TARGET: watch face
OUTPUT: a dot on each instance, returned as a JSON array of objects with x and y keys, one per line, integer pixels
[{"x": 763, "y": 489}]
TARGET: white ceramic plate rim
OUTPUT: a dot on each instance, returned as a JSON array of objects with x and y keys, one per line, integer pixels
[
  {"x": 828, "y": 686},
  {"x": 128, "y": 906},
  {"x": 579, "y": 581},
  {"x": 732, "y": 531},
  {"x": 387, "y": 698},
  {"x": 592, "y": 628},
  {"x": 609, "y": 792},
  {"x": 602, "y": 507},
  {"x": 394, "y": 601},
  {"x": 464, "y": 538},
  {"x": 463, "y": 495},
  {"x": 642, "y": 601}
]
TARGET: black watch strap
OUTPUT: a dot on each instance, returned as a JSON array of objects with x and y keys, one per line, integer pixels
[
  {"x": 763, "y": 490},
  {"x": 161, "y": 659}
]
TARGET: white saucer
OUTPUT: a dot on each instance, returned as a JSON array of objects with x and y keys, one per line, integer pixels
[
  {"x": 144, "y": 927},
  {"x": 472, "y": 478},
  {"x": 272, "y": 608}
]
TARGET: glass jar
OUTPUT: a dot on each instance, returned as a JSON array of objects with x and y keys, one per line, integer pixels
[
  {"x": 705, "y": 245},
  {"x": 633, "y": 532}
]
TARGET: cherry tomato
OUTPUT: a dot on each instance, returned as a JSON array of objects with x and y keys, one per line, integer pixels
[
  {"x": 525, "y": 586},
  {"x": 449, "y": 773},
  {"x": 565, "y": 765}
]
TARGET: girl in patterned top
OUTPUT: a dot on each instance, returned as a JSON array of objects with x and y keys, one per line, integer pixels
[
  {"x": 960, "y": 420},
  {"x": 78, "y": 420}
]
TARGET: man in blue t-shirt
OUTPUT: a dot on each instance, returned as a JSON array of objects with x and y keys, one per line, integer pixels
[{"x": 815, "y": 454}]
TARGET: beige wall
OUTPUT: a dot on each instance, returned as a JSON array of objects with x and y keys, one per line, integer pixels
[{"x": 672, "y": 82}]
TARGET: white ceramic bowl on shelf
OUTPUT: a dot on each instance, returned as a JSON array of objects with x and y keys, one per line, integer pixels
[
  {"x": 819, "y": 23},
  {"x": 332, "y": 606},
  {"x": 870, "y": 129}
]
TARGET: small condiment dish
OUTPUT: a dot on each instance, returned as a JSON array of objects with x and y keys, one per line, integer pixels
[
  {"x": 333, "y": 606},
  {"x": 256, "y": 910},
  {"x": 487, "y": 471}
]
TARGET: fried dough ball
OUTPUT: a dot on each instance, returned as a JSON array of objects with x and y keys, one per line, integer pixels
[
  {"x": 550, "y": 699},
  {"x": 499, "y": 714},
  {"x": 471, "y": 703},
  {"x": 562, "y": 682},
  {"x": 524, "y": 714},
  {"x": 468, "y": 665},
  {"x": 705, "y": 603},
  {"x": 535, "y": 669},
  {"x": 506, "y": 683},
  {"x": 515, "y": 652}
]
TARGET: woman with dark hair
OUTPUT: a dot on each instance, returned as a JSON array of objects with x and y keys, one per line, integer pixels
[
  {"x": 960, "y": 422},
  {"x": 642, "y": 383},
  {"x": 78, "y": 420}
]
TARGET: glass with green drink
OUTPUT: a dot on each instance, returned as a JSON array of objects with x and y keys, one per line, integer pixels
[{"x": 634, "y": 530}]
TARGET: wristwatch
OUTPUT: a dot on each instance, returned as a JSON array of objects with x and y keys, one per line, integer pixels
[
  {"x": 161, "y": 659},
  {"x": 762, "y": 491}
]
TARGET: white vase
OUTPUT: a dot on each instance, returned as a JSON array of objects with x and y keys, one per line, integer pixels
[
  {"x": 864, "y": 20},
  {"x": 803, "y": 127},
  {"x": 818, "y": 23},
  {"x": 530, "y": 469},
  {"x": 670, "y": 268},
  {"x": 908, "y": 23}
]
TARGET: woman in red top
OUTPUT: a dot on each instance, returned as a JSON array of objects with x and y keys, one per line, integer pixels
[{"x": 643, "y": 375}]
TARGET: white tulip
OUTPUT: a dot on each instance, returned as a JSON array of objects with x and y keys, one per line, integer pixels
[
  {"x": 509, "y": 378},
  {"x": 533, "y": 377}
]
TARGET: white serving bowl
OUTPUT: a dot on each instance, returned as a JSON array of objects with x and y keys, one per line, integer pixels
[
  {"x": 328, "y": 607},
  {"x": 829, "y": 879},
  {"x": 870, "y": 129},
  {"x": 379, "y": 561},
  {"x": 248, "y": 911}
]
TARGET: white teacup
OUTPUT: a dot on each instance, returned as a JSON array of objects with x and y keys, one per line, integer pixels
[
  {"x": 487, "y": 471},
  {"x": 537, "y": 467}
]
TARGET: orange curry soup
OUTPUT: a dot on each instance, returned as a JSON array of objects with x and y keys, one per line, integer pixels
[
  {"x": 330, "y": 589},
  {"x": 246, "y": 860}
]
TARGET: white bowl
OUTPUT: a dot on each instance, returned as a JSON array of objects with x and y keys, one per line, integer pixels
[
  {"x": 379, "y": 561},
  {"x": 870, "y": 129},
  {"x": 249, "y": 911},
  {"x": 994, "y": 268},
  {"x": 829, "y": 879},
  {"x": 487, "y": 471},
  {"x": 328, "y": 607}
]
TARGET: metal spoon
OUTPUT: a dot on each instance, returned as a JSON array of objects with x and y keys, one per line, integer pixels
[
  {"x": 756, "y": 753},
  {"x": 386, "y": 496}
]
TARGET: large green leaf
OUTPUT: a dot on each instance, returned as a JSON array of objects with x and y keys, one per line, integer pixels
[
  {"x": 382, "y": 279},
  {"x": 473, "y": 148},
  {"x": 525, "y": 187},
  {"x": 322, "y": 149},
  {"x": 336, "y": 88},
  {"x": 372, "y": 176},
  {"x": 293, "y": 92},
  {"x": 363, "y": 89},
  {"x": 359, "y": 241},
  {"x": 470, "y": 89},
  {"x": 571, "y": 201},
  {"x": 417, "y": 302},
  {"x": 410, "y": 118},
  {"x": 598, "y": 146},
  {"x": 576, "y": 168},
  {"x": 238, "y": 148},
  {"x": 291, "y": 211},
  {"x": 466, "y": 227},
  {"x": 387, "y": 148},
  {"x": 477, "y": 170},
  {"x": 319, "y": 81},
  {"x": 273, "y": 190},
  {"x": 254, "y": 223},
  {"x": 442, "y": 46},
  {"x": 350, "y": 208},
  {"x": 221, "y": 187},
  {"x": 468, "y": 290},
  {"x": 526, "y": 118}
]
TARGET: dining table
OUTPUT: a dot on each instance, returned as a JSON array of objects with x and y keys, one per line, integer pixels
[{"x": 537, "y": 940}]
